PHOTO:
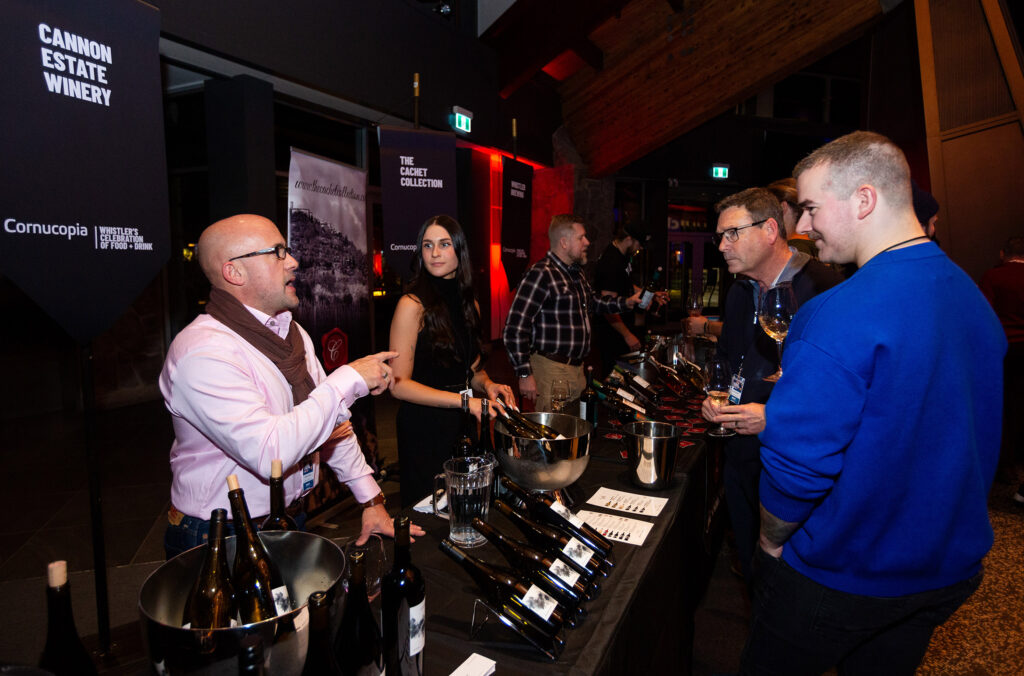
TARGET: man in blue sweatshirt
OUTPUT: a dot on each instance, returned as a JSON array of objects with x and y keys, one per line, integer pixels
[{"x": 881, "y": 439}]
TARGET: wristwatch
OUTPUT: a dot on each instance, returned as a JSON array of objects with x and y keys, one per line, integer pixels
[{"x": 378, "y": 499}]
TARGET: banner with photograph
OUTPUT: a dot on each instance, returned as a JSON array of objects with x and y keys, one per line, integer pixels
[
  {"x": 516, "y": 202},
  {"x": 84, "y": 200},
  {"x": 327, "y": 234},
  {"x": 417, "y": 176}
]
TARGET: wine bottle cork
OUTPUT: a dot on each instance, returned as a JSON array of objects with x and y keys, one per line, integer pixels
[
  {"x": 57, "y": 573},
  {"x": 232, "y": 482},
  {"x": 275, "y": 468}
]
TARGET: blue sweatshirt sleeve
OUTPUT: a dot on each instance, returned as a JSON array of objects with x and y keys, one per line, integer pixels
[{"x": 802, "y": 450}]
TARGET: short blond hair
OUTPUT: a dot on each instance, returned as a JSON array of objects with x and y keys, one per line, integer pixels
[
  {"x": 862, "y": 157},
  {"x": 561, "y": 226}
]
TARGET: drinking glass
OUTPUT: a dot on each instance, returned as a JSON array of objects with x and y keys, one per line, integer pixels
[
  {"x": 717, "y": 379},
  {"x": 467, "y": 484},
  {"x": 559, "y": 394},
  {"x": 777, "y": 311},
  {"x": 695, "y": 301}
]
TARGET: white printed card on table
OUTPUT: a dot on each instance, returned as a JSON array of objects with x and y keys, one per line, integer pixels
[
  {"x": 632, "y": 503},
  {"x": 618, "y": 528}
]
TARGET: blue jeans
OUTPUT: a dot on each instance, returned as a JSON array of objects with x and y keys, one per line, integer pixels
[
  {"x": 798, "y": 626},
  {"x": 191, "y": 532}
]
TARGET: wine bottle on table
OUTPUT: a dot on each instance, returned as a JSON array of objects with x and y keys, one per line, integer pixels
[
  {"x": 465, "y": 447},
  {"x": 403, "y": 598},
  {"x": 639, "y": 384},
  {"x": 259, "y": 588},
  {"x": 544, "y": 508},
  {"x": 570, "y": 591},
  {"x": 320, "y": 655},
  {"x": 558, "y": 545},
  {"x": 211, "y": 605},
  {"x": 278, "y": 518},
  {"x": 588, "y": 400},
  {"x": 504, "y": 590},
  {"x": 358, "y": 647},
  {"x": 63, "y": 653}
]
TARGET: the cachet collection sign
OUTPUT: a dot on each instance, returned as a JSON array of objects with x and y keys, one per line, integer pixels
[
  {"x": 417, "y": 174},
  {"x": 83, "y": 205}
]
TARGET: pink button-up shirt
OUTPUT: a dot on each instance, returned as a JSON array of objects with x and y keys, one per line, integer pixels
[{"x": 232, "y": 412}]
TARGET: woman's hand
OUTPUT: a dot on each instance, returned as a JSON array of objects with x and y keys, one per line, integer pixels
[{"x": 495, "y": 390}]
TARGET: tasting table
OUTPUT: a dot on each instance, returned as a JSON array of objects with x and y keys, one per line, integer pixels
[{"x": 643, "y": 617}]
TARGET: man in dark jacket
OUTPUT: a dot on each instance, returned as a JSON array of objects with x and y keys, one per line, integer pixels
[{"x": 752, "y": 237}]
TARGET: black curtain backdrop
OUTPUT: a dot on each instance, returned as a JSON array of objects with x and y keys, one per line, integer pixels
[
  {"x": 84, "y": 198},
  {"x": 516, "y": 199},
  {"x": 417, "y": 174}
]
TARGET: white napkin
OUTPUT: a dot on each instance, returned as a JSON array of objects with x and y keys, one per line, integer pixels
[{"x": 425, "y": 506}]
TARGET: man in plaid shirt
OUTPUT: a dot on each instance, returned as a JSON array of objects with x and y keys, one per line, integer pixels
[{"x": 547, "y": 334}]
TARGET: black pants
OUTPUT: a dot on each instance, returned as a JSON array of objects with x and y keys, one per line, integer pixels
[{"x": 799, "y": 627}]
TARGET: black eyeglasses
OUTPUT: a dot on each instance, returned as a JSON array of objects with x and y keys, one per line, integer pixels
[
  {"x": 280, "y": 250},
  {"x": 732, "y": 234}
]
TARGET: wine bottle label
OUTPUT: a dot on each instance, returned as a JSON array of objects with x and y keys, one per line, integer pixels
[
  {"x": 560, "y": 509},
  {"x": 578, "y": 552},
  {"x": 539, "y": 602},
  {"x": 417, "y": 628},
  {"x": 624, "y": 394},
  {"x": 563, "y": 572},
  {"x": 282, "y": 602},
  {"x": 641, "y": 382},
  {"x": 635, "y": 407},
  {"x": 583, "y": 409}
]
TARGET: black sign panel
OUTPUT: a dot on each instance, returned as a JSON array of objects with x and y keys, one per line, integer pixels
[
  {"x": 83, "y": 181},
  {"x": 516, "y": 209},
  {"x": 417, "y": 176}
]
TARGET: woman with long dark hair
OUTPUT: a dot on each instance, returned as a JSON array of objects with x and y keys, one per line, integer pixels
[{"x": 436, "y": 332}]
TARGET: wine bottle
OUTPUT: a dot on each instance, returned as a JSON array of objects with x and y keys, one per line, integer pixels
[
  {"x": 403, "y": 599},
  {"x": 588, "y": 400},
  {"x": 358, "y": 646},
  {"x": 211, "y": 605},
  {"x": 513, "y": 427},
  {"x": 570, "y": 591},
  {"x": 503, "y": 588},
  {"x": 250, "y": 656},
  {"x": 260, "y": 590},
  {"x": 641, "y": 385},
  {"x": 628, "y": 391},
  {"x": 543, "y": 507},
  {"x": 616, "y": 401},
  {"x": 320, "y": 655},
  {"x": 63, "y": 653},
  {"x": 278, "y": 518},
  {"x": 464, "y": 447},
  {"x": 557, "y": 544},
  {"x": 649, "y": 290},
  {"x": 538, "y": 430}
]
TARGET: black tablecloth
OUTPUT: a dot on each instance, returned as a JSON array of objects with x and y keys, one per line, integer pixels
[{"x": 643, "y": 616}]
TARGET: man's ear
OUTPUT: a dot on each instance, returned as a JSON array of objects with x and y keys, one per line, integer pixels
[
  {"x": 865, "y": 200},
  {"x": 233, "y": 274},
  {"x": 771, "y": 228}
]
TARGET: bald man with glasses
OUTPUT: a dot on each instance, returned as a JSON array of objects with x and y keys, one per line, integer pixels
[
  {"x": 243, "y": 386},
  {"x": 752, "y": 238}
]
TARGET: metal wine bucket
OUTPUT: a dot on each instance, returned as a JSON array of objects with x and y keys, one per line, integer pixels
[
  {"x": 652, "y": 448},
  {"x": 307, "y": 562},
  {"x": 542, "y": 464}
]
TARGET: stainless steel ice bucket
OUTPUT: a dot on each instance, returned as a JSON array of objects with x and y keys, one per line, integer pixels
[
  {"x": 545, "y": 464},
  {"x": 652, "y": 448},
  {"x": 308, "y": 563}
]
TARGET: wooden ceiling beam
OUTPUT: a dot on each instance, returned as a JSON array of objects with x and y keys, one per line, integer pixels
[{"x": 666, "y": 72}]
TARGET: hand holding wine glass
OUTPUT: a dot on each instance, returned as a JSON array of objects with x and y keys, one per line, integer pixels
[
  {"x": 717, "y": 379},
  {"x": 776, "y": 312}
]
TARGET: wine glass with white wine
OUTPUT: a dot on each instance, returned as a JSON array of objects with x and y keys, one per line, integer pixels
[
  {"x": 717, "y": 380},
  {"x": 776, "y": 313}
]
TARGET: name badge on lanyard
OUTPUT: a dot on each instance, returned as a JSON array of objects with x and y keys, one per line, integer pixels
[
  {"x": 309, "y": 471},
  {"x": 736, "y": 386}
]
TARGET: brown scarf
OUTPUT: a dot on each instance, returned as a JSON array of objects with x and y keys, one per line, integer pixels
[{"x": 289, "y": 356}]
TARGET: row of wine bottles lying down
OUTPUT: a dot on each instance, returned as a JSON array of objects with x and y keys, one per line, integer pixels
[{"x": 553, "y": 573}]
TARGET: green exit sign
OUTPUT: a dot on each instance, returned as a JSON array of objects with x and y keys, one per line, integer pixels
[
  {"x": 720, "y": 171},
  {"x": 462, "y": 119}
]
